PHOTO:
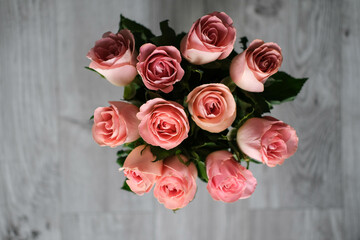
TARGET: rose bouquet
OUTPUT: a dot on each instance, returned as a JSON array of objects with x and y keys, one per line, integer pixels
[{"x": 192, "y": 107}]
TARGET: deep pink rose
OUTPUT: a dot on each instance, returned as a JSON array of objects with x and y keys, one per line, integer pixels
[
  {"x": 114, "y": 57},
  {"x": 228, "y": 180},
  {"x": 268, "y": 140},
  {"x": 159, "y": 67},
  {"x": 177, "y": 185},
  {"x": 250, "y": 69},
  {"x": 212, "y": 107},
  {"x": 116, "y": 124},
  {"x": 163, "y": 123},
  {"x": 140, "y": 169},
  {"x": 211, "y": 37}
]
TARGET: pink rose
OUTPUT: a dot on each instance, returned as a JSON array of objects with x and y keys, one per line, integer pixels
[
  {"x": 163, "y": 123},
  {"x": 159, "y": 67},
  {"x": 114, "y": 57},
  {"x": 250, "y": 69},
  {"x": 212, "y": 107},
  {"x": 140, "y": 169},
  {"x": 228, "y": 180},
  {"x": 116, "y": 124},
  {"x": 268, "y": 140},
  {"x": 177, "y": 186},
  {"x": 211, "y": 37}
]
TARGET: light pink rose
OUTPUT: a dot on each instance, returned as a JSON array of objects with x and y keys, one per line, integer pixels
[
  {"x": 212, "y": 107},
  {"x": 116, "y": 124},
  {"x": 268, "y": 140},
  {"x": 140, "y": 169},
  {"x": 250, "y": 69},
  {"x": 228, "y": 180},
  {"x": 210, "y": 38},
  {"x": 177, "y": 185},
  {"x": 159, "y": 67},
  {"x": 114, "y": 57},
  {"x": 163, "y": 123}
]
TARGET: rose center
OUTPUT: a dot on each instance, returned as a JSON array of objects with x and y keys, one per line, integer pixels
[
  {"x": 133, "y": 175},
  {"x": 171, "y": 190},
  {"x": 233, "y": 184},
  {"x": 212, "y": 108},
  {"x": 164, "y": 126}
]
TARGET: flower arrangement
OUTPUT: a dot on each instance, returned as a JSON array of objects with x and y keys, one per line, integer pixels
[{"x": 192, "y": 107}]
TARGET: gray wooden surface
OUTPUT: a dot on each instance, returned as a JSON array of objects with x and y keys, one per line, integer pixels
[{"x": 56, "y": 183}]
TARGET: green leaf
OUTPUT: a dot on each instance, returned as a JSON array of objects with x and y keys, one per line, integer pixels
[
  {"x": 281, "y": 87},
  {"x": 179, "y": 37},
  {"x": 126, "y": 187},
  {"x": 235, "y": 150},
  {"x": 91, "y": 69},
  {"x": 121, "y": 156},
  {"x": 91, "y": 118},
  {"x": 201, "y": 168},
  {"x": 255, "y": 161},
  {"x": 223, "y": 64},
  {"x": 206, "y": 144},
  {"x": 198, "y": 71},
  {"x": 168, "y": 36},
  {"x": 134, "y": 27},
  {"x": 135, "y": 143},
  {"x": 229, "y": 83},
  {"x": 243, "y": 42},
  {"x": 260, "y": 104},
  {"x": 141, "y": 34},
  {"x": 161, "y": 153},
  {"x": 243, "y": 108},
  {"x": 151, "y": 95},
  {"x": 130, "y": 91},
  {"x": 134, "y": 89}
]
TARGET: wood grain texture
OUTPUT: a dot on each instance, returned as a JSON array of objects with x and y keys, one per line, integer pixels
[
  {"x": 350, "y": 115},
  {"x": 56, "y": 183},
  {"x": 103, "y": 226},
  {"x": 29, "y": 173}
]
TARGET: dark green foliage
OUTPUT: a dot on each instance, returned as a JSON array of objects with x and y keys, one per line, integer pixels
[
  {"x": 168, "y": 36},
  {"x": 161, "y": 153},
  {"x": 141, "y": 34},
  {"x": 243, "y": 41},
  {"x": 281, "y": 87}
]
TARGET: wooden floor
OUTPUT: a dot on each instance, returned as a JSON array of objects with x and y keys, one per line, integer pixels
[{"x": 56, "y": 183}]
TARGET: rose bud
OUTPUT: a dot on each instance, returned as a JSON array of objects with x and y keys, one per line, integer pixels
[
  {"x": 163, "y": 123},
  {"x": 140, "y": 169},
  {"x": 114, "y": 57},
  {"x": 210, "y": 38},
  {"x": 268, "y": 140},
  {"x": 116, "y": 124},
  {"x": 212, "y": 107},
  {"x": 159, "y": 67},
  {"x": 177, "y": 186},
  {"x": 228, "y": 180},
  {"x": 250, "y": 69}
]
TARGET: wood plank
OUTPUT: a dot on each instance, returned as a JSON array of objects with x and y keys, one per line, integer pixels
[
  {"x": 104, "y": 226},
  {"x": 29, "y": 167},
  {"x": 296, "y": 224},
  {"x": 350, "y": 114}
]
